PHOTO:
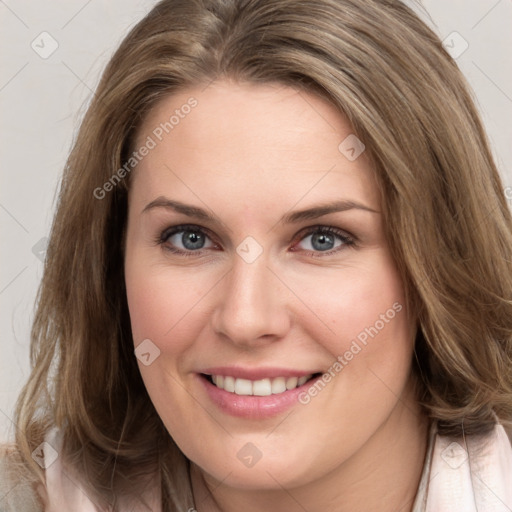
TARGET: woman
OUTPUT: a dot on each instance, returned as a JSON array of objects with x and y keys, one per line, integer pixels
[{"x": 279, "y": 275}]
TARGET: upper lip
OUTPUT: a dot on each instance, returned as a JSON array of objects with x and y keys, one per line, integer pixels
[{"x": 259, "y": 373}]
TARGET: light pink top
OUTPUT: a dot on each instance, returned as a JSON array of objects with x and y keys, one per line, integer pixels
[
  {"x": 471, "y": 474},
  {"x": 64, "y": 493}
]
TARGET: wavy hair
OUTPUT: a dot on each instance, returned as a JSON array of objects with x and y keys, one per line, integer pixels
[{"x": 445, "y": 213}]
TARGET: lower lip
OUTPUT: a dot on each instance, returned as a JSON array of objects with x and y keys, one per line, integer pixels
[{"x": 254, "y": 407}]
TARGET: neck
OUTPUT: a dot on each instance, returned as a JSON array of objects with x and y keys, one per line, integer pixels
[{"x": 383, "y": 475}]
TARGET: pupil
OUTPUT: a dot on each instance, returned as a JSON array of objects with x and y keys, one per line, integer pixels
[
  {"x": 322, "y": 241},
  {"x": 192, "y": 240}
]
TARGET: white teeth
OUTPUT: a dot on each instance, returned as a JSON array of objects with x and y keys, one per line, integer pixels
[
  {"x": 278, "y": 385},
  {"x": 243, "y": 387},
  {"x": 263, "y": 387},
  {"x": 302, "y": 380},
  {"x": 229, "y": 384},
  {"x": 291, "y": 382}
]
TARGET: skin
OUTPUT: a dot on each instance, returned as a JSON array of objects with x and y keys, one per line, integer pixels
[{"x": 250, "y": 154}]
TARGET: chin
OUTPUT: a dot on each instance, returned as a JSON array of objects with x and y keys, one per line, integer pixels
[{"x": 266, "y": 475}]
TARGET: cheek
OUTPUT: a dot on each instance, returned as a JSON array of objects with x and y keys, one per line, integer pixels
[
  {"x": 165, "y": 307},
  {"x": 362, "y": 322},
  {"x": 360, "y": 302},
  {"x": 162, "y": 303}
]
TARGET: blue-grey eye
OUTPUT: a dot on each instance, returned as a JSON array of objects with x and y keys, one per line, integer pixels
[
  {"x": 321, "y": 241},
  {"x": 189, "y": 240}
]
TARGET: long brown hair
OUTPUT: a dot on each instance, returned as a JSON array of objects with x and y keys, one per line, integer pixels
[{"x": 446, "y": 219}]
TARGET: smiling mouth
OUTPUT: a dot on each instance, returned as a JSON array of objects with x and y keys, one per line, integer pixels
[{"x": 263, "y": 387}]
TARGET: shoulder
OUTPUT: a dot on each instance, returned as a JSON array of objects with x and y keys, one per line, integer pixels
[
  {"x": 63, "y": 490},
  {"x": 16, "y": 493},
  {"x": 471, "y": 473}
]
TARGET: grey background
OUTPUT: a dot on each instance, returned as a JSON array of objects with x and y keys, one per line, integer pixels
[{"x": 43, "y": 97}]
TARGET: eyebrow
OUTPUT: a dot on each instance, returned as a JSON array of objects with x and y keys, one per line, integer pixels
[
  {"x": 185, "y": 209},
  {"x": 289, "y": 218},
  {"x": 324, "y": 209}
]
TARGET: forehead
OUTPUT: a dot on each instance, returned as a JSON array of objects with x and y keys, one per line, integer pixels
[{"x": 259, "y": 142}]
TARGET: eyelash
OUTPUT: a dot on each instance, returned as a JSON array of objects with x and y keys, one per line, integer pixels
[{"x": 347, "y": 240}]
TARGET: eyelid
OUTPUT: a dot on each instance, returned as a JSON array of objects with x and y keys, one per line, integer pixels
[
  {"x": 171, "y": 230},
  {"x": 324, "y": 228}
]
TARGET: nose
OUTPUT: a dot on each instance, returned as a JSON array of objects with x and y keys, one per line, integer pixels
[{"x": 251, "y": 305}]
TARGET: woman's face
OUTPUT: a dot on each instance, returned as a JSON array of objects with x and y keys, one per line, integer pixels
[{"x": 256, "y": 257}]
